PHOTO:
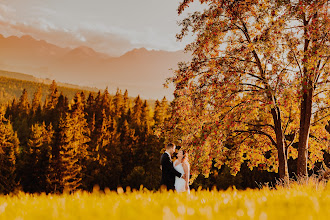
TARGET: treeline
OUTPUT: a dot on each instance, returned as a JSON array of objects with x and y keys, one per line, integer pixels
[
  {"x": 50, "y": 143},
  {"x": 55, "y": 143},
  {"x": 11, "y": 88},
  {"x": 95, "y": 139}
]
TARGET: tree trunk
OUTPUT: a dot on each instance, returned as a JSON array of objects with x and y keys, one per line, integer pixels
[
  {"x": 305, "y": 123},
  {"x": 305, "y": 111},
  {"x": 282, "y": 158}
]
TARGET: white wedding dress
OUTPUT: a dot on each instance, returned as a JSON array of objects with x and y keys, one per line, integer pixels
[{"x": 180, "y": 182}]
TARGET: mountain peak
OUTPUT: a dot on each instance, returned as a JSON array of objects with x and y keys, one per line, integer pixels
[
  {"x": 84, "y": 52},
  {"x": 27, "y": 37},
  {"x": 13, "y": 37},
  {"x": 141, "y": 49},
  {"x": 84, "y": 49},
  {"x": 135, "y": 52}
]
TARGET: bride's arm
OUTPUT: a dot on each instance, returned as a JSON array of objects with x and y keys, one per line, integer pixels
[{"x": 186, "y": 171}]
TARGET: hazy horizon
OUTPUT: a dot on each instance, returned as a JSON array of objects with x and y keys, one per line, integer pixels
[
  {"x": 142, "y": 72},
  {"x": 108, "y": 27}
]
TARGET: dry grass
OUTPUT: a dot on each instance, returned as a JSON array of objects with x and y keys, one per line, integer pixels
[{"x": 298, "y": 200}]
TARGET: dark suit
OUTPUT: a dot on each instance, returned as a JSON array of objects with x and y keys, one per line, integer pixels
[{"x": 168, "y": 172}]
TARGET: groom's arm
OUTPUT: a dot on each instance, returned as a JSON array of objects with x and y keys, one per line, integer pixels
[{"x": 169, "y": 166}]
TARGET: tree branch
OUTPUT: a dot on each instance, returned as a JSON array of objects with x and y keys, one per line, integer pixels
[
  {"x": 259, "y": 132},
  {"x": 322, "y": 109},
  {"x": 320, "y": 92},
  {"x": 314, "y": 123},
  {"x": 288, "y": 145},
  {"x": 249, "y": 84}
]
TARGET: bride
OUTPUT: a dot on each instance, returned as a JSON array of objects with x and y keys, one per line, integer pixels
[{"x": 182, "y": 166}]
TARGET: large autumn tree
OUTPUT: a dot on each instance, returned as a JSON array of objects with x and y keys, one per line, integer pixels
[
  {"x": 238, "y": 98},
  {"x": 307, "y": 38}
]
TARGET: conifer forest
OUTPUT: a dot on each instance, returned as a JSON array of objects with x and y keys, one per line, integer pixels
[{"x": 52, "y": 143}]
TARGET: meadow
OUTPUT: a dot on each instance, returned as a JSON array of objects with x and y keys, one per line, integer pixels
[{"x": 295, "y": 202}]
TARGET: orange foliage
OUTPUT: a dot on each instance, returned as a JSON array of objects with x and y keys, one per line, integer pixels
[{"x": 240, "y": 96}]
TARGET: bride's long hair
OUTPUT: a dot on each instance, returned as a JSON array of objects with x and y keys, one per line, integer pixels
[{"x": 185, "y": 156}]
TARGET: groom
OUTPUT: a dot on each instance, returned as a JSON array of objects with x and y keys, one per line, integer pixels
[{"x": 168, "y": 171}]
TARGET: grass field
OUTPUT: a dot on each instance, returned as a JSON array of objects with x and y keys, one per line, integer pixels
[{"x": 295, "y": 202}]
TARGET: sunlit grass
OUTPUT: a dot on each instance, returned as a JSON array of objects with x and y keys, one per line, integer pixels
[{"x": 311, "y": 201}]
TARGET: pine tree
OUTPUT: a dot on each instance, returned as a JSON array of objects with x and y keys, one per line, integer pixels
[
  {"x": 128, "y": 141},
  {"x": 113, "y": 154},
  {"x": 21, "y": 120},
  {"x": 52, "y": 98},
  {"x": 36, "y": 107},
  {"x": 36, "y": 156},
  {"x": 78, "y": 103},
  {"x": 118, "y": 104},
  {"x": 81, "y": 132},
  {"x": 97, "y": 106},
  {"x": 144, "y": 157},
  {"x": 23, "y": 104},
  {"x": 36, "y": 101},
  {"x": 146, "y": 118},
  {"x": 165, "y": 109},
  {"x": 90, "y": 107},
  {"x": 98, "y": 99},
  {"x": 141, "y": 122},
  {"x": 136, "y": 115},
  {"x": 11, "y": 110},
  {"x": 44, "y": 163},
  {"x": 125, "y": 113},
  {"x": 161, "y": 115},
  {"x": 52, "y": 106},
  {"x": 106, "y": 102},
  {"x": 62, "y": 105},
  {"x": 61, "y": 108},
  {"x": 154, "y": 146},
  {"x": 65, "y": 162},
  {"x": 105, "y": 162},
  {"x": 126, "y": 103},
  {"x": 83, "y": 98},
  {"x": 9, "y": 145},
  {"x": 158, "y": 113},
  {"x": 69, "y": 152}
]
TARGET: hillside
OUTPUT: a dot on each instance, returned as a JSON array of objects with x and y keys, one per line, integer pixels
[
  {"x": 11, "y": 88},
  {"x": 22, "y": 76},
  {"x": 12, "y": 85}
]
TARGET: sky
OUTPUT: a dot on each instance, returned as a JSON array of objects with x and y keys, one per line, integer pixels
[{"x": 109, "y": 26}]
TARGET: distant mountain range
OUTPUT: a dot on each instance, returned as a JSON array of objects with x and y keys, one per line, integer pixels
[{"x": 140, "y": 71}]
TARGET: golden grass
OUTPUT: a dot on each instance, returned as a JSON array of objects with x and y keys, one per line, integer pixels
[{"x": 308, "y": 201}]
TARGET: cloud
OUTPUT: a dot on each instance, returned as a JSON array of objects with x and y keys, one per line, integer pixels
[
  {"x": 104, "y": 41},
  {"x": 103, "y": 38},
  {"x": 6, "y": 10}
]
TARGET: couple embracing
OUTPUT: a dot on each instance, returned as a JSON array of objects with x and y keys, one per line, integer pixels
[{"x": 175, "y": 175}]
